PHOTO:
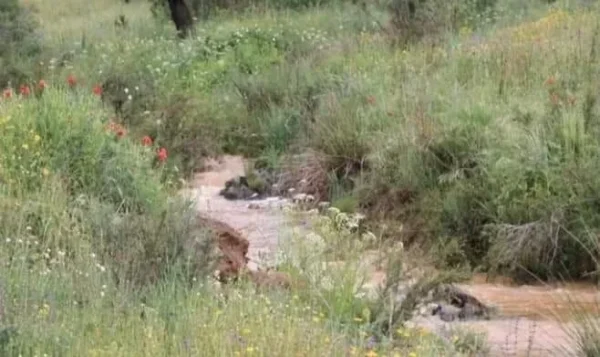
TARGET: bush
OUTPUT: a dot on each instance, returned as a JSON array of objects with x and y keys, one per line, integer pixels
[
  {"x": 20, "y": 44},
  {"x": 105, "y": 186},
  {"x": 413, "y": 20},
  {"x": 203, "y": 9}
]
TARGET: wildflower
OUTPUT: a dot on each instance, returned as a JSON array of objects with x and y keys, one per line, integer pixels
[
  {"x": 25, "y": 91},
  {"x": 371, "y": 354},
  {"x": 7, "y": 93},
  {"x": 146, "y": 141},
  {"x": 97, "y": 90},
  {"x": 37, "y": 138},
  {"x": 162, "y": 154},
  {"x": 550, "y": 81},
  {"x": 121, "y": 132},
  {"x": 371, "y": 99},
  {"x": 111, "y": 126},
  {"x": 42, "y": 84},
  {"x": 412, "y": 354},
  {"x": 25, "y": 146},
  {"x": 71, "y": 80}
]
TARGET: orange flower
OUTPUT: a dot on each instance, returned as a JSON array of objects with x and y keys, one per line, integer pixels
[
  {"x": 97, "y": 90},
  {"x": 25, "y": 91},
  {"x": 7, "y": 93},
  {"x": 42, "y": 84},
  {"x": 161, "y": 155},
  {"x": 146, "y": 141},
  {"x": 71, "y": 80}
]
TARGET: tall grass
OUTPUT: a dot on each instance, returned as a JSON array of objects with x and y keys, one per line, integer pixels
[{"x": 480, "y": 135}]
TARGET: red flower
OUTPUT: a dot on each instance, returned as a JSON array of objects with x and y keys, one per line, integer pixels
[
  {"x": 25, "y": 91},
  {"x": 7, "y": 93},
  {"x": 42, "y": 84},
  {"x": 71, "y": 80},
  {"x": 97, "y": 90},
  {"x": 117, "y": 129},
  {"x": 146, "y": 141},
  {"x": 161, "y": 155},
  {"x": 550, "y": 81}
]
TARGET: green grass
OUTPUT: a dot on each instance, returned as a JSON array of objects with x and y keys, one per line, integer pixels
[{"x": 483, "y": 139}]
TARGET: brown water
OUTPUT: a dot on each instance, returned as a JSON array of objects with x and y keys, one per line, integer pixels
[
  {"x": 534, "y": 320},
  {"x": 542, "y": 302}
]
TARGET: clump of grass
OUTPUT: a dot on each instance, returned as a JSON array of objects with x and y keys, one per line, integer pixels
[{"x": 470, "y": 343}]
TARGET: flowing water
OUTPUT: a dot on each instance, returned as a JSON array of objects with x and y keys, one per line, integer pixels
[{"x": 533, "y": 321}]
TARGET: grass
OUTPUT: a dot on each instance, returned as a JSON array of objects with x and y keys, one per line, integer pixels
[{"x": 477, "y": 142}]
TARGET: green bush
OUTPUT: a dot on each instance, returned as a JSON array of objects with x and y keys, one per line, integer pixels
[
  {"x": 104, "y": 184},
  {"x": 413, "y": 20},
  {"x": 20, "y": 44}
]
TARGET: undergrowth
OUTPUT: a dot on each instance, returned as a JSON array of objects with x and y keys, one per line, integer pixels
[{"x": 468, "y": 128}]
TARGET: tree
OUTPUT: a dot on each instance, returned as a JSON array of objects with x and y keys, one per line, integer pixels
[{"x": 181, "y": 15}]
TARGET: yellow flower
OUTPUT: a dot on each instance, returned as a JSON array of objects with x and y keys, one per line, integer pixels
[
  {"x": 371, "y": 354},
  {"x": 45, "y": 172},
  {"x": 37, "y": 138},
  {"x": 412, "y": 354},
  {"x": 249, "y": 349},
  {"x": 25, "y": 146},
  {"x": 246, "y": 331}
]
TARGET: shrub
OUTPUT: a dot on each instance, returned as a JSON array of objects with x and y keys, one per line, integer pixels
[
  {"x": 143, "y": 249},
  {"x": 413, "y": 20},
  {"x": 107, "y": 188},
  {"x": 20, "y": 44}
]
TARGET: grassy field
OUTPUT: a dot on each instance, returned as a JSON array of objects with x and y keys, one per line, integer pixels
[{"x": 477, "y": 141}]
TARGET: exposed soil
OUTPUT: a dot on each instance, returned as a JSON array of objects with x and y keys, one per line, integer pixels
[{"x": 532, "y": 318}]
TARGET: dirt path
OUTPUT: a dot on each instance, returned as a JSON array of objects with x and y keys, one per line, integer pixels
[{"x": 527, "y": 326}]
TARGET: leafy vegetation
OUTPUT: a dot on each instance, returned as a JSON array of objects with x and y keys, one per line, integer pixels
[{"x": 468, "y": 128}]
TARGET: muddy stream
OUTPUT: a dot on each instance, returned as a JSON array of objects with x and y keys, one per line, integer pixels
[{"x": 532, "y": 321}]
